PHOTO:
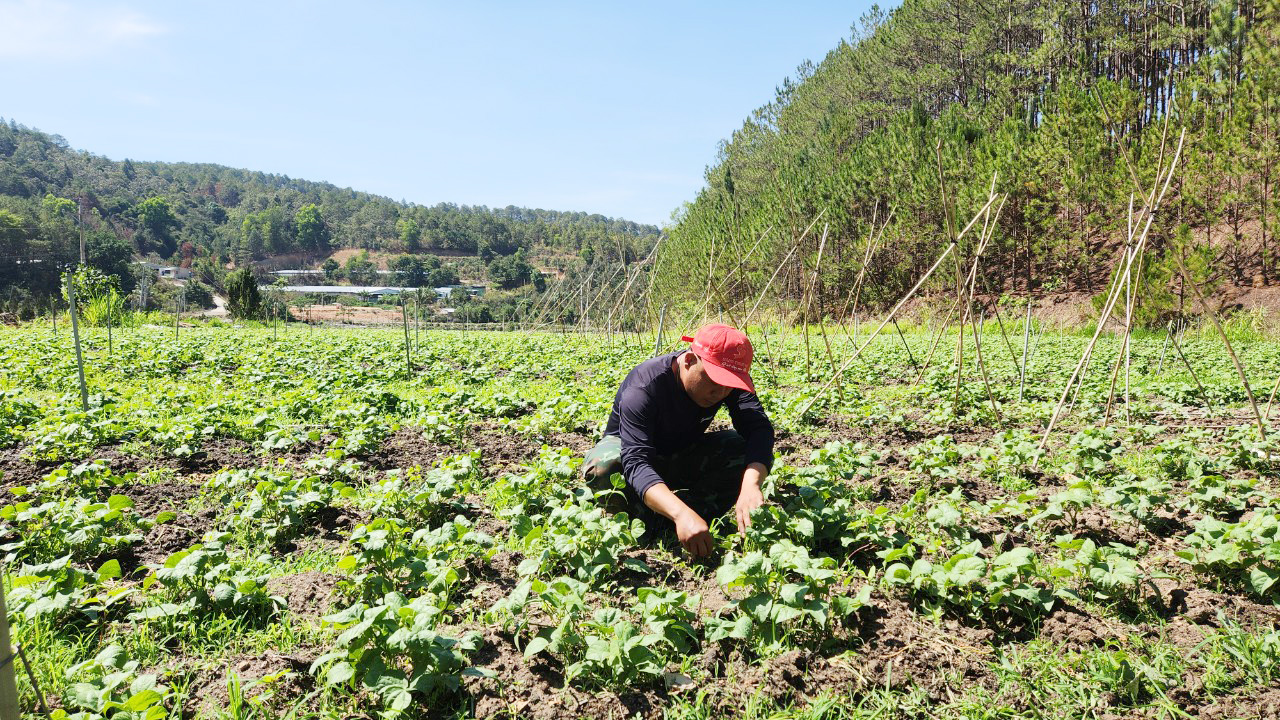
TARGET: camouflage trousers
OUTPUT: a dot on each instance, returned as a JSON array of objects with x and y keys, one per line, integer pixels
[{"x": 706, "y": 475}]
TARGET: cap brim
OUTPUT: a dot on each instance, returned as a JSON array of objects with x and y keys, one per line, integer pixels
[{"x": 728, "y": 378}]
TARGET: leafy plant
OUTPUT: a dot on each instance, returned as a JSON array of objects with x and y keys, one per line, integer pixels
[
  {"x": 392, "y": 650},
  {"x": 109, "y": 686},
  {"x": 786, "y": 592}
]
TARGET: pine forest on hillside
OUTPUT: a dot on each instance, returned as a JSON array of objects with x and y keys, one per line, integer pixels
[{"x": 1046, "y": 97}]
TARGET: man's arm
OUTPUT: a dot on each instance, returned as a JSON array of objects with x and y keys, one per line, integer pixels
[
  {"x": 636, "y": 424},
  {"x": 753, "y": 424},
  {"x": 750, "y": 496},
  {"x": 691, "y": 529}
]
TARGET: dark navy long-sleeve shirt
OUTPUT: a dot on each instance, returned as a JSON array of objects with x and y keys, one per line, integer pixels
[{"x": 653, "y": 415}]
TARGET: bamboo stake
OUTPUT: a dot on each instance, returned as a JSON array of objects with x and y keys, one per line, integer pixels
[
  {"x": 408, "y": 359},
  {"x": 855, "y": 293},
  {"x": 640, "y": 267},
  {"x": 1270, "y": 398},
  {"x": 808, "y": 305},
  {"x": 1114, "y": 296},
  {"x": 1262, "y": 430},
  {"x": 31, "y": 677},
  {"x": 1178, "y": 348},
  {"x": 9, "y": 708},
  {"x": 1026, "y": 335},
  {"x": 760, "y": 297},
  {"x": 840, "y": 371},
  {"x": 75, "y": 336},
  {"x": 822, "y": 326},
  {"x": 1168, "y": 331},
  {"x": 977, "y": 350},
  {"x": 937, "y": 340},
  {"x": 995, "y": 310},
  {"x": 910, "y": 358}
]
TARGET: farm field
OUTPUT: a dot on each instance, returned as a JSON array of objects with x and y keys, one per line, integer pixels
[{"x": 251, "y": 526}]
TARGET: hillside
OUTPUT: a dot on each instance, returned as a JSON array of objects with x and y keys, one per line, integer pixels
[
  {"x": 207, "y": 216},
  {"x": 1052, "y": 99}
]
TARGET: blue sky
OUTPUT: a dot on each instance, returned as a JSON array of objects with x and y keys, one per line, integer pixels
[{"x": 604, "y": 107}]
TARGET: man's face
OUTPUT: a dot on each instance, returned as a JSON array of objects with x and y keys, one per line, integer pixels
[{"x": 702, "y": 389}]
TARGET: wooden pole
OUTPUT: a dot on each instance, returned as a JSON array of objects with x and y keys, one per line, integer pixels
[
  {"x": 845, "y": 366},
  {"x": 910, "y": 359},
  {"x": 1026, "y": 336},
  {"x": 110, "y": 345},
  {"x": 9, "y": 708},
  {"x": 977, "y": 350},
  {"x": 1204, "y": 306},
  {"x": 1208, "y": 404},
  {"x": 408, "y": 358},
  {"x": 75, "y": 334},
  {"x": 662, "y": 319}
]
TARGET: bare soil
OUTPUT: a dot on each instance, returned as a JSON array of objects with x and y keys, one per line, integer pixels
[
  {"x": 290, "y": 682},
  {"x": 309, "y": 593}
]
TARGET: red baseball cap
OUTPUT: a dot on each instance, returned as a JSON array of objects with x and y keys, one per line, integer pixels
[{"x": 727, "y": 353}]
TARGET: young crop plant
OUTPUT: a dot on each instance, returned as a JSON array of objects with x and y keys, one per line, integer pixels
[
  {"x": 1245, "y": 451},
  {"x": 84, "y": 479},
  {"x": 182, "y": 435},
  {"x": 1106, "y": 574},
  {"x": 16, "y": 415},
  {"x": 968, "y": 584},
  {"x": 851, "y": 461},
  {"x": 1010, "y": 463},
  {"x": 1136, "y": 498},
  {"x": 1066, "y": 505},
  {"x": 59, "y": 592},
  {"x": 939, "y": 457},
  {"x": 788, "y": 597},
  {"x": 576, "y": 538},
  {"x": 72, "y": 434},
  {"x": 392, "y": 650},
  {"x": 362, "y": 428},
  {"x": 1224, "y": 497},
  {"x": 1092, "y": 452},
  {"x": 1242, "y": 554},
  {"x": 823, "y": 515},
  {"x": 78, "y": 527},
  {"x": 110, "y": 686},
  {"x": 536, "y": 491},
  {"x": 597, "y": 646},
  {"x": 423, "y": 497},
  {"x": 389, "y": 557},
  {"x": 280, "y": 506},
  {"x": 204, "y": 581}
]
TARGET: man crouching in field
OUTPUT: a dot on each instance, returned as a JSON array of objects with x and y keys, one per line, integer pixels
[{"x": 656, "y": 437}]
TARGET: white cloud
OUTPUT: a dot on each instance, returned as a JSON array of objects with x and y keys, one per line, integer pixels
[{"x": 60, "y": 30}]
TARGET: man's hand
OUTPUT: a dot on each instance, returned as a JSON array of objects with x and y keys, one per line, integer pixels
[
  {"x": 750, "y": 497},
  {"x": 691, "y": 529},
  {"x": 693, "y": 533}
]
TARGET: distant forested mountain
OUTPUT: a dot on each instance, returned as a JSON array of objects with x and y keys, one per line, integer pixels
[
  {"x": 206, "y": 216},
  {"x": 1047, "y": 95}
]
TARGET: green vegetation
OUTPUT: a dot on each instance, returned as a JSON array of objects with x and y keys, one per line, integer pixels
[
  {"x": 250, "y": 525},
  {"x": 204, "y": 216},
  {"x": 1049, "y": 98}
]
